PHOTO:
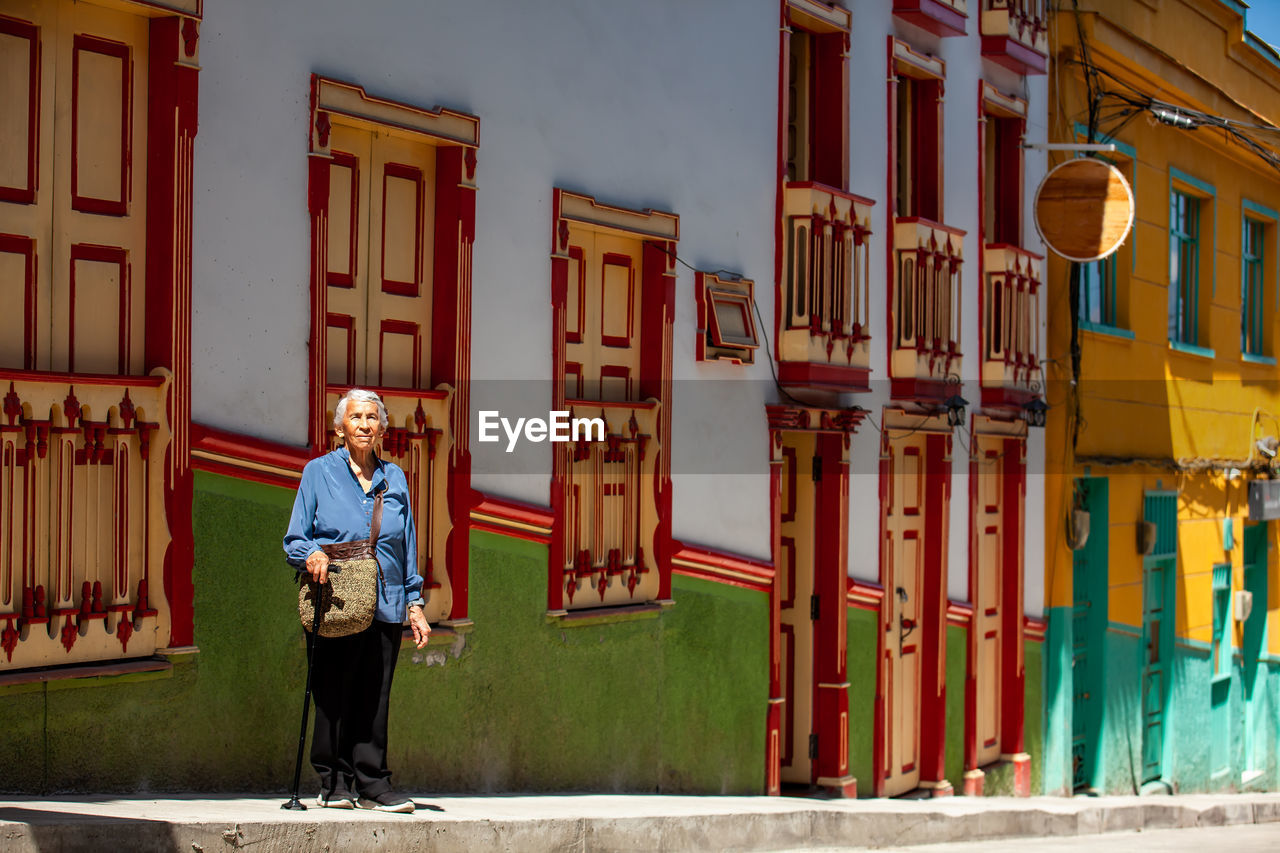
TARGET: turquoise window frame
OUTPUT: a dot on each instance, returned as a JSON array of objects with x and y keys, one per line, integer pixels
[
  {"x": 1184, "y": 268},
  {"x": 1221, "y": 616},
  {"x": 1255, "y": 257},
  {"x": 1097, "y": 279},
  {"x": 1252, "y": 286}
]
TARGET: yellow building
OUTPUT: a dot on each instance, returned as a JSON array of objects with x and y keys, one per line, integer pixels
[{"x": 1163, "y": 648}]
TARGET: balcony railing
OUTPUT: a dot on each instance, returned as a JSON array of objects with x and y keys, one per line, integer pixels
[
  {"x": 926, "y": 302},
  {"x": 83, "y": 524},
  {"x": 1015, "y": 34},
  {"x": 610, "y": 511},
  {"x": 824, "y": 339},
  {"x": 1011, "y": 362},
  {"x": 419, "y": 438}
]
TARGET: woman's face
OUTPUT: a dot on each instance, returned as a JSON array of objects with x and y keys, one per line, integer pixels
[{"x": 360, "y": 428}]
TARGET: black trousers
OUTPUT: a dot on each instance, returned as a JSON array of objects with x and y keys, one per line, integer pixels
[{"x": 351, "y": 685}]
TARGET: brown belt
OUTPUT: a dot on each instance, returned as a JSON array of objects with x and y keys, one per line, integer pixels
[{"x": 361, "y": 550}]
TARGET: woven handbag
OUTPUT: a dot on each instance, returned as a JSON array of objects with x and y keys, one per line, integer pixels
[{"x": 349, "y": 598}]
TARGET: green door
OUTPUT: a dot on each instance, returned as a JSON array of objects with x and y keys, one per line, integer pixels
[
  {"x": 1160, "y": 508},
  {"x": 1088, "y": 633},
  {"x": 1255, "y": 582}
]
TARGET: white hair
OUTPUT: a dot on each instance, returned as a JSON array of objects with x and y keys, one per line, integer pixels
[{"x": 358, "y": 395}]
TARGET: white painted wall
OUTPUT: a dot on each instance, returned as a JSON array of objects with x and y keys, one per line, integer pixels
[{"x": 666, "y": 104}]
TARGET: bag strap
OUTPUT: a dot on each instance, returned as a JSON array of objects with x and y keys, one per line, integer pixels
[{"x": 375, "y": 525}]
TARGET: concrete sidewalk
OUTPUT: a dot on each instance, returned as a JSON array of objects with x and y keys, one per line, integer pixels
[{"x": 594, "y": 822}]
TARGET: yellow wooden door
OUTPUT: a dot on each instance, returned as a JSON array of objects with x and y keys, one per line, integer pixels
[
  {"x": 380, "y": 235},
  {"x": 602, "y": 317},
  {"x": 795, "y": 591},
  {"x": 73, "y": 153},
  {"x": 904, "y": 549},
  {"x": 989, "y": 520}
]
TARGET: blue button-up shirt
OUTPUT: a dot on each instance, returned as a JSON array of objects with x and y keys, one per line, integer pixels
[{"x": 331, "y": 507}]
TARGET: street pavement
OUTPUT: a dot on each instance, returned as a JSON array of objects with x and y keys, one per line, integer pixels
[{"x": 613, "y": 822}]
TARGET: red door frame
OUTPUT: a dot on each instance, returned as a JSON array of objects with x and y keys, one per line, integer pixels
[{"x": 830, "y": 704}]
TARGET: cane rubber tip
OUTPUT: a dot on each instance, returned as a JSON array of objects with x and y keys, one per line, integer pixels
[{"x": 294, "y": 805}]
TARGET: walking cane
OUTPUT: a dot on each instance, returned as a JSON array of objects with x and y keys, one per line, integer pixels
[{"x": 294, "y": 804}]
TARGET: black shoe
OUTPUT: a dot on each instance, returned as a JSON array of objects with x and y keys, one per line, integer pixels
[
  {"x": 387, "y": 801},
  {"x": 340, "y": 799}
]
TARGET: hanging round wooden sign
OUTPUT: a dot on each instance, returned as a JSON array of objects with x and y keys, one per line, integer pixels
[{"x": 1084, "y": 209}]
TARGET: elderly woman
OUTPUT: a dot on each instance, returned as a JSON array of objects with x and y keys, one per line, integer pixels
[{"x": 351, "y": 680}]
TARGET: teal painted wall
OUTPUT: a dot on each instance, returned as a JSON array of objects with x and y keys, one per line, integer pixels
[
  {"x": 1188, "y": 764},
  {"x": 674, "y": 703}
]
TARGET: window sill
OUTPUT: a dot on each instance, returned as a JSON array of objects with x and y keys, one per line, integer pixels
[
  {"x": 1191, "y": 349},
  {"x": 1250, "y": 358},
  {"x": 607, "y": 615},
  {"x": 86, "y": 675},
  {"x": 1103, "y": 329},
  {"x": 1219, "y": 679}
]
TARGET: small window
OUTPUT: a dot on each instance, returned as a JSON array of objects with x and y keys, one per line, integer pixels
[
  {"x": 1185, "y": 215},
  {"x": 726, "y": 327},
  {"x": 1253, "y": 300},
  {"x": 1221, "y": 614},
  {"x": 1096, "y": 283}
]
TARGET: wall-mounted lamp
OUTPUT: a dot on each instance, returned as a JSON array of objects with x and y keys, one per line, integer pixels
[
  {"x": 1034, "y": 412},
  {"x": 955, "y": 410}
]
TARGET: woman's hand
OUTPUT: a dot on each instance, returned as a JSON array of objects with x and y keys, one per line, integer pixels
[
  {"x": 418, "y": 622},
  {"x": 318, "y": 566}
]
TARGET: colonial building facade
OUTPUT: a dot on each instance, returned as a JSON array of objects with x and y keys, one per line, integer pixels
[
  {"x": 782, "y": 250},
  {"x": 1160, "y": 665}
]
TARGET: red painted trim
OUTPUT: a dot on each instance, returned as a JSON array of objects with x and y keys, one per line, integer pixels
[
  {"x": 241, "y": 456},
  {"x": 779, "y": 231},
  {"x": 105, "y": 255},
  {"x": 347, "y": 278},
  {"x": 1013, "y": 677},
  {"x": 455, "y": 226},
  {"x": 830, "y": 377},
  {"x": 613, "y": 259},
  {"x": 574, "y": 335},
  {"x": 347, "y": 323},
  {"x": 960, "y": 614},
  {"x": 933, "y": 687},
  {"x": 773, "y": 724},
  {"x": 880, "y": 721},
  {"x": 25, "y": 246},
  {"x": 172, "y": 109},
  {"x": 722, "y": 567},
  {"x": 410, "y": 330},
  {"x": 28, "y": 31},
  {"x": 414, "y": 174},
  {"x": 511, "y": 518},
  {"x": 93, "y": 44},
  {"x": 864, "y": 595}
]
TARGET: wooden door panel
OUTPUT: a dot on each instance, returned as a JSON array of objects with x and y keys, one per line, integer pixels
[
  {"x": 796, "y": 527},
  {"x": 19, "y": 109},
  {"x": 603, "y": 314},
  {"x": 905, "y": 531},
  {"x": 988, "y": 584},
  {"x": 401, "y": 237}
]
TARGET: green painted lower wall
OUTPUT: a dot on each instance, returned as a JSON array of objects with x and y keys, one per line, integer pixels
[
  {"x": 1190, "y": 762},
  {"x": 674, "y": 703},
  {"x": 862, "y": 643},
  {"x": 957, "y": 675}
]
